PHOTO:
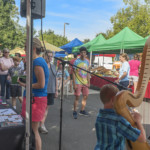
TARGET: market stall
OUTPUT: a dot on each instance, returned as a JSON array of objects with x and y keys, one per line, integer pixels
[
  {"x": 98, "y": 82},
  {"x": 99, "y": 39},
  {"x": 147, "y": 93},
  {"x": 125, "y": 41},
  {"x": 12, "y": 128},
  {"x": 17, "y": 50},
  {"x": 105, "y": 73},
  {"x": 68, "y": 47}
]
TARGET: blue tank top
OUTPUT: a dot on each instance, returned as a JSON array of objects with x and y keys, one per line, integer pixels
[{"x": 40, "y": 62}]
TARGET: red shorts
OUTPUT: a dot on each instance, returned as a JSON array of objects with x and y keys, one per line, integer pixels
[
  {"x": 83, "y": 88},
  {"x": 39, "y": 105}
]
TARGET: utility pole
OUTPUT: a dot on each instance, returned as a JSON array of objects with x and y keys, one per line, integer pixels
[{"x": 64, "y": 28}]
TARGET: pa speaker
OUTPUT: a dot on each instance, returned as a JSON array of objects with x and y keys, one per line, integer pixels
[{"x": 36, "y": 6}]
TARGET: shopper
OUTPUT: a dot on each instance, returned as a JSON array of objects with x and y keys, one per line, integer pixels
[
  {"x": 124, "y": 71},
  {"x": 52, "y": 89},
  {"x": 13, "y": 73},
  {"x": 5, "y": 63},
  {"x": 71, "y": 71},
  {"x": 134, "y": 71},
  {"x": 39, "y": 86},
  {"x": 81, "y": 82}
]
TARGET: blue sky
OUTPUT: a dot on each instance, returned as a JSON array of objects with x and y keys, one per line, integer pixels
[{"x": 86, "y": 18}]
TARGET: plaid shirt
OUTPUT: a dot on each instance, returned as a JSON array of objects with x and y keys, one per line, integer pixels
[{"x": 112, "y": 130}]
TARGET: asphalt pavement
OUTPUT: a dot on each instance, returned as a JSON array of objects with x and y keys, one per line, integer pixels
[{"x": 77, "y": 134}]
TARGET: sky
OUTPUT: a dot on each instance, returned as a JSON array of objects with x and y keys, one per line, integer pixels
[{"x": 86, "y": 18}]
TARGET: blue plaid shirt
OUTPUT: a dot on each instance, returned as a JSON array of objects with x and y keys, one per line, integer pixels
[{"x": 112, "y": 130}]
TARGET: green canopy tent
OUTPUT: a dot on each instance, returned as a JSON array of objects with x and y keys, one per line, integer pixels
[
  {"x": 125, "y": 41},
  {"x": 147, "y": 37},
  {"x": 99, "y": 39}
]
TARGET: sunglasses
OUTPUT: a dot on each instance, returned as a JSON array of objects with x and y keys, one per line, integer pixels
[{"x": 6, "y": 52}]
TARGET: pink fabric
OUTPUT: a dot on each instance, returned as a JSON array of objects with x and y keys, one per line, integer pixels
[
  {"x": 72, "y": 62},
  {"x": 134, "y": 67},
  {"x": 147, "y": 92},
  {"x": 84, "y": 89},
  {"x": 7, "y": 62},
  {"x": 38, "y": 108}
]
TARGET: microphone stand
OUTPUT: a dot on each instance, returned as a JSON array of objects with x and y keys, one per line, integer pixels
[
  {"x": 61, "y": 100},
  {"x": 62, "y": 89}
]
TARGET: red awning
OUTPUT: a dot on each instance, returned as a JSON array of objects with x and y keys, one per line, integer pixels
[
  {"x": 107, "y": 55},
  {"x": 23, "y": 55}
]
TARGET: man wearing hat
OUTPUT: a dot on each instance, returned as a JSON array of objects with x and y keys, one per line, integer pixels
[{"x": 81, "y": 82}]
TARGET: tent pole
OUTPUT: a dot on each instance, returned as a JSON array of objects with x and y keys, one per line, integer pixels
[
  {"x": 90, "y": 58},
  {"x": 120, "y": 51},
  {"x": 53, "y": 55},
  {"x": 103, "y": 59}
]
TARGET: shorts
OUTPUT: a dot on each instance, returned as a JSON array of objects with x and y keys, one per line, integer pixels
[
  {"x": 133, "y": 78},
  {"x": 15, "y": 91},
  {"x": 83, "y": 88},
  {"x": 50, "y": 98},
  {"x": 71, "y": 76},
  {"x": 123, "y": 83},
  {"x": 39, "y": 105}
]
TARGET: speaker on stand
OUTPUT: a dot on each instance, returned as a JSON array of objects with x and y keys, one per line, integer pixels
[{"x": 36, "y": 7}]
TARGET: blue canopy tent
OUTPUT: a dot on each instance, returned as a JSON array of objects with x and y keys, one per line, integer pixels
[
  {"x": 58, "y": 54},
  {"x": 68, "y": 47}
]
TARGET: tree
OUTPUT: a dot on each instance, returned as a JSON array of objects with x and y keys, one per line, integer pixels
[
  {"x": 52, "y": 38},
  {"x": 86, "y": 41},
  {"x": 135, "y": 16},
  {"x": 104, "y": 34},
  {"x": 12, "y": 34}
]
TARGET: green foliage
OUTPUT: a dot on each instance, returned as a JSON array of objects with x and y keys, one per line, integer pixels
[
  {"x": 104, "y": 34},
  {"x": 86, "y": 41},
  {"x": 12, "y": 34},
  {"x": 52, "y": 38},
  {"x": 135, "y": 15}
]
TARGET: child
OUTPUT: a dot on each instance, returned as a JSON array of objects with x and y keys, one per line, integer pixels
[
  {"x": 59, "y": 77},
  {"x": 15, "y": 88},
  {"x": 111, "y": 128}
]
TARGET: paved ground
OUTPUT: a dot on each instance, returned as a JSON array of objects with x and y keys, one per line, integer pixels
[
  {"x": 76, "y": 134},
  {"x": 79, "y": 134}
]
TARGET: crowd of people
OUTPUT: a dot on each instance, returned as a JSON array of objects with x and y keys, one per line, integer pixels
[
  {"x": 9, "y": 68},
  {"x": 111, "y": 128},
  {"x": 46, "y": 84}
]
